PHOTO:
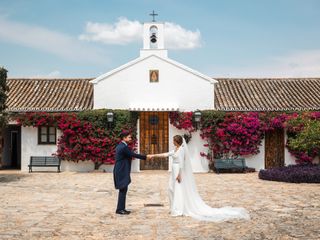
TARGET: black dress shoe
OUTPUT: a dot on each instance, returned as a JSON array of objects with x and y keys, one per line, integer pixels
[
  {"x": 122, "y": 212},
  {"x": 127, "y": 211}
]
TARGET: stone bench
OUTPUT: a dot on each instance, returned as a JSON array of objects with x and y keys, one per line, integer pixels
[{"x": 44, "y": 161}]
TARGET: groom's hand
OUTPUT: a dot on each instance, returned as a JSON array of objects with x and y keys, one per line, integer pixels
[{"x": 149, "y": 157}]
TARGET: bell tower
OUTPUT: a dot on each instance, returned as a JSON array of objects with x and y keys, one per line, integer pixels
[{"x": 153, "y": 38}]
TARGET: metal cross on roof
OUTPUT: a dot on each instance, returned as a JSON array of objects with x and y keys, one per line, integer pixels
[{"x": 153, "y": 14}]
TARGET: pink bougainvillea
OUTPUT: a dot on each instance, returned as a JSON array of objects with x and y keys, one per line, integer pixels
[
  {"x": 80, "y": 140},
  {"x": 276, "y": 121},
  {"x": 182, "y": 120},
  {"x": 229, "y": 134},
  {"x": 239, "y": 134},
  {"x": 38, "y": 119}
]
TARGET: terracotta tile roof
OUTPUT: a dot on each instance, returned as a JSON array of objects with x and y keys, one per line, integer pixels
[
  {"x": 51, "y": 95},
  {"x": 231, "y": 94},
  {"x": 275, "y": 94}
]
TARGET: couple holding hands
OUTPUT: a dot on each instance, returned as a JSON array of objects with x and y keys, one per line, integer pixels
[{"x": 183, "y": 194}]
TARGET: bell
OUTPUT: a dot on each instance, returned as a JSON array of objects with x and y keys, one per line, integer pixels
[{"x": 153, "y": 38}]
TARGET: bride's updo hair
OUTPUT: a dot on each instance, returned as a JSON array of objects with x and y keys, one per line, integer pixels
[{"x": 178, "y": 139}]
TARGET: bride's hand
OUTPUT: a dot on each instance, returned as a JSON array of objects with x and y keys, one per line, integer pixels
[
  {"x": 150, "y": 157},
  {"x": 179, "y": 178}
]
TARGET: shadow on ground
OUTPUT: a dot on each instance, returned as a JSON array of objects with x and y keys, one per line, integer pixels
[{"x": 8, "y": 177}]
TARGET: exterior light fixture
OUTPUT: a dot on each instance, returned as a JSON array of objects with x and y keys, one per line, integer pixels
[
  {"x": 197, "y": 118},
  {"x": 110, "y": 118}
]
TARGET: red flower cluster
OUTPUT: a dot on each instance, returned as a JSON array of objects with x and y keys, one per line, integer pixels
[
  {"x": 80, "y": 140},
  {"x": 236, "y": 134},
  {"x": 38, "y": 119},
  {"x": 182, "y": 120},
  {"x": 239, "y": 134},
  {"x": 275, "y": 121}
]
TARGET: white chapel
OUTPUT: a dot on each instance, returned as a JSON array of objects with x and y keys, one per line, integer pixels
[{"x": 152, "y": 85}]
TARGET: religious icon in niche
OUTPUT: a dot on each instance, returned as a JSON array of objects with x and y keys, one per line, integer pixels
[{"x": 154, "y": 75}]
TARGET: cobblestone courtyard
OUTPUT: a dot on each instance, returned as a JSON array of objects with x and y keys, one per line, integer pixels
[{"x": 81, "y": 206}]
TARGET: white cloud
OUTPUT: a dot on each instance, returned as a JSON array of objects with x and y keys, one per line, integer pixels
[
  {"x": 299, "y": 63},
  {"x": 46, "y": 40},
  {"x": 54, "y": 74},
  {"x": 121, "y": 32},
  {"x": 125, "y": 31},
  {"x": 176, "y": 37},
  {"x": 304, "y": 63}
]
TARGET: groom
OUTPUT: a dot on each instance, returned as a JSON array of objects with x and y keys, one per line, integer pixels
[{"x": 122, "y": 169}]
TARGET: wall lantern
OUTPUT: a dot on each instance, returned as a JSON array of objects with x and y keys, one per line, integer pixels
[
  {"x": 110, "y": 118},
  {"x": 197, "y": 118}
]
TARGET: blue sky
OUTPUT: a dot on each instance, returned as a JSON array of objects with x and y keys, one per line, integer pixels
[{"x": 230, "y": 38}]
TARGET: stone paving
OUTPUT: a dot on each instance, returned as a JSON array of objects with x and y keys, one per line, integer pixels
[{"x": 81, "y": 206}]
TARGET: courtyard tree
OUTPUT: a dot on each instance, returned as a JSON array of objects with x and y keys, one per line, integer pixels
[
  {"x": 3, "y": 95},
  {"x": 308, "y": 140}
]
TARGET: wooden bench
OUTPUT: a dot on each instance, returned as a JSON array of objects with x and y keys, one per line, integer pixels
[
  {"x": 44, "y": 161},
  {"x": 230, "y": 163}
]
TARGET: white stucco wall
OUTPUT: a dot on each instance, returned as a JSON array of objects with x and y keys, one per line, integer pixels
[
  {"x": 81, "y": 166},
  {"x": 30, "y": 147},
  {"x": 200, "y": 164},
  {"x": 289, "y": 159},
  {"x": 135, "y": 164},
  {"x": 131, "y": 87},
  {"x": 257, "y": 161}
]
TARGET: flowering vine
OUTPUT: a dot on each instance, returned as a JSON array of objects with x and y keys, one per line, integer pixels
[
  {"x": 239, "y": 134},
  {"x": 235, "y": 134},
  {"x": 182, "y": 120},
  {"x": 38, "y": 119},
  {"x": 80, "y": 140},
  {"x": 303, "y": 136},
  {"x": 85, "y": 136}
]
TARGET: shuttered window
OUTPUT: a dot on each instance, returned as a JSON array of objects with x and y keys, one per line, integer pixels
[{"x": 47, "y": 135}]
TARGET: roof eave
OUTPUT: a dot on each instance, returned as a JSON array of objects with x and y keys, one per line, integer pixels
[{"x": 139, "y": 59}]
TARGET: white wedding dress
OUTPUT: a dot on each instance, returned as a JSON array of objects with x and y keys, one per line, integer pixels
[{"x": 184, "y": 197}]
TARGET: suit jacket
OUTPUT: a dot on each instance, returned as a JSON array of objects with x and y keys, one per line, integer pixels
[{"x": 122, "y": 167}]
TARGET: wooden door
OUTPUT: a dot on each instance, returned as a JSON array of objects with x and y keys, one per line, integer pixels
[
  {"x": 274, "y": 149},
  {"x": 14, "y": 149},
  {"x": 154, "y": 135}
]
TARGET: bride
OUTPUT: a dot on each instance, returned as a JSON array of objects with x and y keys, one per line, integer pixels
[{"x": 183, "y": 194}]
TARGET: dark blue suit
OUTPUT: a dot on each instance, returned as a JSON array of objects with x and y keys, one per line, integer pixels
[{"x": 121, "y": 171}]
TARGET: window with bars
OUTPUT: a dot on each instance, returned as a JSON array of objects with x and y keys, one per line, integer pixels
[{"x": 47, "y": 135}]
